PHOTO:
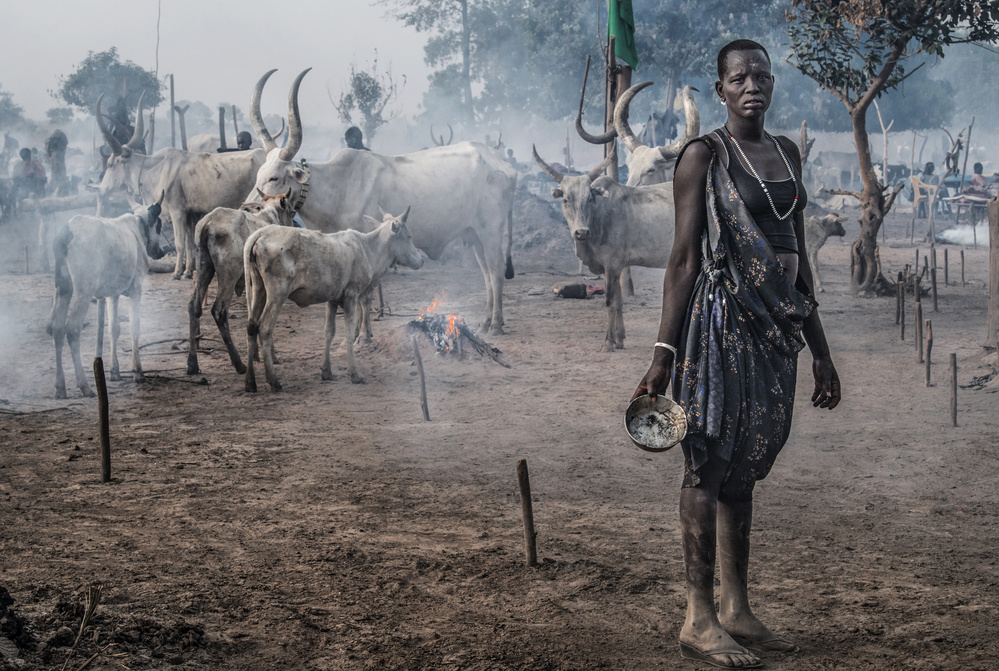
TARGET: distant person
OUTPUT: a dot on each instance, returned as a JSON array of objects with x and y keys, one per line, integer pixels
[
  {"x": 980, "y": 185},
  {"x": 355, "y": 139},
  {"x": 930, "y": 177},
  {"x": 512, "y": 160},
  {"x": 29, "y": 176},
  {"x": 243, "y": 141}
]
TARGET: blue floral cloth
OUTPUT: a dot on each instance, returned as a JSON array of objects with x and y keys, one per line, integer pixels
[{"x": 739, "y": 348}]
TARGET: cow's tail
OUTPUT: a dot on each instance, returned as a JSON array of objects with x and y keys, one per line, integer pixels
[
  {"x": 509, "y": 243},
  {"x": 63, "y": 280},
  {"x": 251, "y": 277}
]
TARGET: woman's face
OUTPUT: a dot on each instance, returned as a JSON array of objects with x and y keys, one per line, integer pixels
[{"x": 748, "y": 85}]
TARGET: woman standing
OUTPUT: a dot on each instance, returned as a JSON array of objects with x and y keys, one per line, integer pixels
[{"x": 737, "y": 299}]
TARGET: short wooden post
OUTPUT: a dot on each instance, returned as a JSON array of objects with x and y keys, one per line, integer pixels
[
  {"x": 915, "y": 268},
  {"x": 102, "y": 411},
  {"x": 929, "y": 349},
  {"x": 926, "y": 264},
  {"x": 946, "y": 269},
  {"x": 919, "y": 333},
  {"x": 26, "y": 259},
  {"x": 953, "y": 389},
  {"x": 423, "y": 381},
  {"x": 899, "y": 292},
  {"x": 527, "y": 512},
  {"x": 962, "y": 268},
  {"x": 901, "y": 321},
  {"x": 933, "y": 285}
]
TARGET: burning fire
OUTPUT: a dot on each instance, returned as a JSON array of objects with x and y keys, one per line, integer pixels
[{"x": 445, "y": 332}]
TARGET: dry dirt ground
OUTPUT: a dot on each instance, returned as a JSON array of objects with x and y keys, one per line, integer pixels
[{"x": 329, "y": 526}]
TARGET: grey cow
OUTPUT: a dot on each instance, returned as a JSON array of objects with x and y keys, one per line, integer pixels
[
  {"x": 817, "y": 231},
  {"x": 339, "y": 269}
]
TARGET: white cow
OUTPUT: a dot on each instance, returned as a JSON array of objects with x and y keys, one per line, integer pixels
[
  {"x": 339, "y": 269},
  {"x": 463, "y": 191},
  {"x": 195, "y": 184},
  {"x": 614, "y": 226},
  {"x": 102, "y": 259},
  {"x": 220, "y": 236}
]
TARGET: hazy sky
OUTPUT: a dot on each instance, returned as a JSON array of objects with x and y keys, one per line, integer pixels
[{"x": 216, "y": 49}]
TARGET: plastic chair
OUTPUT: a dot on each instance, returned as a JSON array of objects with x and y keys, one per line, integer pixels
[{"x": 921, "y": 191}]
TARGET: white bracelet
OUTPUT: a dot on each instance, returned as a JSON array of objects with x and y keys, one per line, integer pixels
[{"x": 666, "y": 346}]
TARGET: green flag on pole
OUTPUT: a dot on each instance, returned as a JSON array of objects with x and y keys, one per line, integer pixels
[{"x": 621, "y": 24}]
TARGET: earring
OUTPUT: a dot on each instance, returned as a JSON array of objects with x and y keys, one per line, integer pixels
[{"x": 721, "y": 100}]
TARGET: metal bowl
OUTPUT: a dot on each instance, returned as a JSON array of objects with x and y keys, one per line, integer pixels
[{"x": 655, "y": 426}]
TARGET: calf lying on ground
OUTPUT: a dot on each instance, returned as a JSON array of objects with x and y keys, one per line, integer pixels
[
  {"x": 100, "y": 258},
  {"x": 220, "y": 236},
  {"x": 338, "y": 269},
  {"x": 817, "y": 231}
]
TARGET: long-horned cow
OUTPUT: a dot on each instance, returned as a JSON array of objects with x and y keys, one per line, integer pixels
[
  {"x": 220, "y": 236},
  {"x": 462, "y": 191},
  {"x": 308, "y": 267},
  {"x": 195, "y": 184},
  {"x": 100, "y": 259},
  {"x": 614, "y": 226}
]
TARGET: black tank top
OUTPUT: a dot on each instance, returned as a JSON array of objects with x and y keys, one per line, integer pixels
[{"x": 780, "y": 234}]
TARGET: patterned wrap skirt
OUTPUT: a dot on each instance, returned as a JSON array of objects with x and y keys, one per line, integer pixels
[{"x": 739, "y": 348}]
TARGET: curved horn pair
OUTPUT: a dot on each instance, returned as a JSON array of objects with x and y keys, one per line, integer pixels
[
  {"x": 294, "y": 120},
  {"x": 558, "y": 177},
  {"x": 603, "y": 138},
  {"x": 138, "y": 136},
  {"x": 109, "y": 138},
  {"x": 692, "y": 129},
  {"x": 441, "y": 142}
]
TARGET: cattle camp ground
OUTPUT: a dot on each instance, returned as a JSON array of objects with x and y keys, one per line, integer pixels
[{"x": 329, "y": 526}]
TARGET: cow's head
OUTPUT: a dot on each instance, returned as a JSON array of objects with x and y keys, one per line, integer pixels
[
  {"x": 398, "y": 240},
  {"x": 653, "y": 165},
  {"x": 281, "y": 202},
  {"x": 150, "y": 226},
  {"x": 579, "y": 195},
  {"x": 832, "y": 223},
  {"x": 125, "y": 162},
  {"x": 280, "y": 174}
]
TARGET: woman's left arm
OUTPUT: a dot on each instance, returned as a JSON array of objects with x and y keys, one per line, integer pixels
[{"x": 827, "y": 387}]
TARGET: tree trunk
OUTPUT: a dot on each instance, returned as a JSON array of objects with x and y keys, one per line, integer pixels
[
  {"x": 466, "y": 62},
  {"x": 864, "y": 264}
]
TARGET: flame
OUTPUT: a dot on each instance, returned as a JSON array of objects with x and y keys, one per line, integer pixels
[
  {"x": 434, "y": 306},
  {"x": 452, "y": 328}
]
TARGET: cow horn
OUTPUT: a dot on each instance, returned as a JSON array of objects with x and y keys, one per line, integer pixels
[
  {"x": 499, "y": 141},
  {"x": 138, "y": 135},
  {"x": 256, "y": 120},
  {"x": 604, "y": 164},
  {"x": 552, "y": 172},
  {"x": 108, "y": 137},
  {"x": 277, "y": 135},
  {"x": 405, "y": 215},
  {"x": 294, "y": 120},
  {"x": 621, "y": 117},
  {"x": 592, "y": 139},
  {"x": 692, "y": 128}
]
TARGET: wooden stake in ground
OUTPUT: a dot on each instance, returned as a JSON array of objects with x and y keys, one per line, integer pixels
[
  {"x": 901, "y": 321},
  {"x": 899, "y": 293},
  {"x": 933, "y": 285},
  {"x": 25, "y": 259},
  {"x": 946, "y": 268},
  {"x": 527, "y": 511},
  {"x": 423, "y": 381},
  {"x": 102, "y": 410},
  {"x": 919, "y": 333},
  {"x": 915, "y": 268},
  {"x": 962, "y": 267},
  {"x": 953, "y": 389},
  {"x": 929, "y": 349}
]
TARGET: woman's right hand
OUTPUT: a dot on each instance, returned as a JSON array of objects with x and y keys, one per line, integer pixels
[{"x": 656, "y": 381}]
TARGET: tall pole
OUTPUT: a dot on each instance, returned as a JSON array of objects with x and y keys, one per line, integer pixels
[
  {"x": 610, "y": 86},
  {"x": 173, "y": 117}
]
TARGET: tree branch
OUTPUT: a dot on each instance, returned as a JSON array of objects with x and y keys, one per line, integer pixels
[
  {"x": 841, "y": 192},
  {"x": 891, "y": 198}
]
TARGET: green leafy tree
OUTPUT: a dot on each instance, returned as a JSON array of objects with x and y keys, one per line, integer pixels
[
  {"x": 11, "y": 113},
  {"x": 368, "y": 94},
  {"x": 58, "y": 116},
  {"x": 857, "y": 50},
  {"x": 102, "y": 72},
  {"x": 450, "y": 25}
]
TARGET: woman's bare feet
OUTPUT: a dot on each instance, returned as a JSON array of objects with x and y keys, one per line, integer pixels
[
  {"x": 715, "y": 646},
  {"x": 747, "y": 630}
]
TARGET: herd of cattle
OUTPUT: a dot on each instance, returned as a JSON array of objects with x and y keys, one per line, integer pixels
[{"x": 233, "y": 221}]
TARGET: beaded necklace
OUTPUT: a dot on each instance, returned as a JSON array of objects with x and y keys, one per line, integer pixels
[{"x": 766, "y": 191}]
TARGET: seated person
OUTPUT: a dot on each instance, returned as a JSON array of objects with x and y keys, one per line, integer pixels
[
  {"x": 929, "y": 177},
  {"x": 980, "y": 186},
  {"x": 29, "y": 176},
  {"x": 355, "y": 139}
]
